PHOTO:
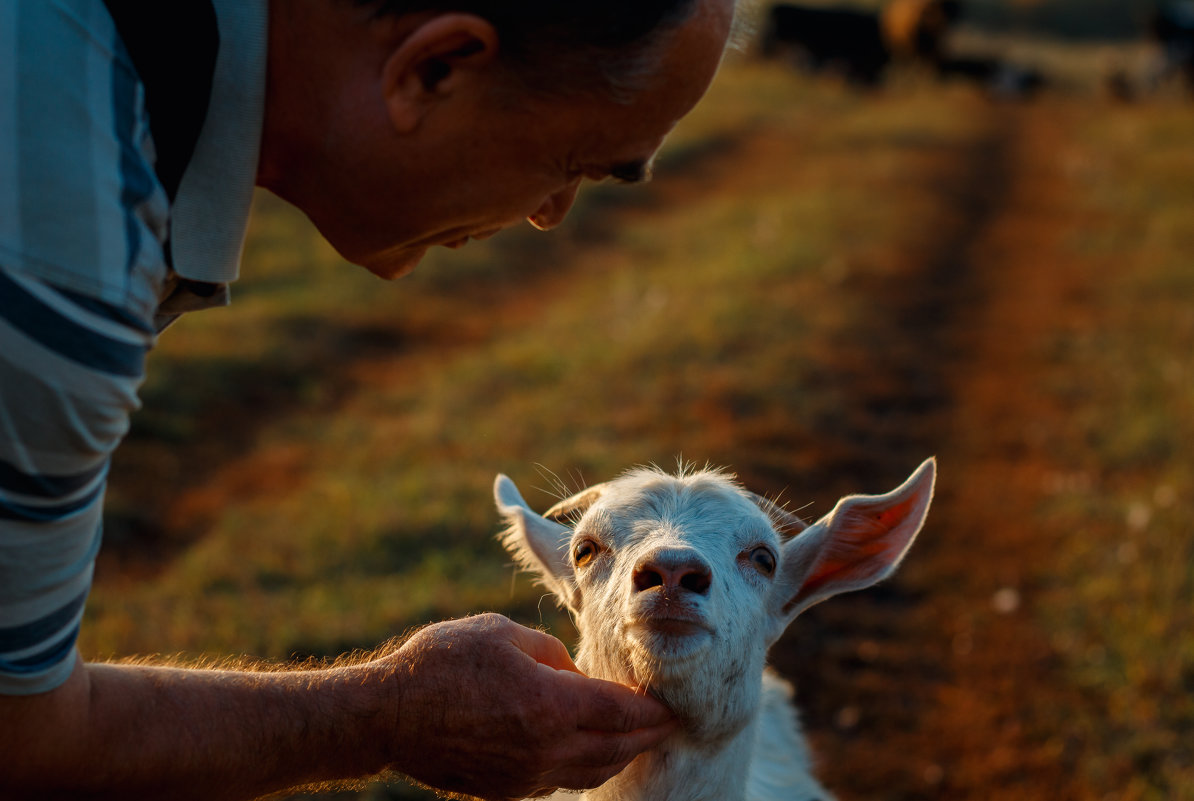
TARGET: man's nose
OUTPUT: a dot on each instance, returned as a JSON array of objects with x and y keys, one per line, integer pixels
[{"x": 554, "y": 208}]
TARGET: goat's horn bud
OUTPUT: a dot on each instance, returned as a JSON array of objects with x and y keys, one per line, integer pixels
[{"x": 567, "y": 509}]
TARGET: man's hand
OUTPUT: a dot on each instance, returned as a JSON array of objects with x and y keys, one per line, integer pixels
[{"x": 495, "y": 710}]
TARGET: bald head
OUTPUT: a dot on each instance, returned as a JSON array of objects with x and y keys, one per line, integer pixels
[{"x": 575, "y": 47}]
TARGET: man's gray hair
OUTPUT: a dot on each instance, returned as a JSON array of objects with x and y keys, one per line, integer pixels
[{"x": 569, "y": 46}]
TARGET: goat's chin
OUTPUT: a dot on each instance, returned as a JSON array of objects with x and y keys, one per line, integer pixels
[
  {"x": 708, "y": 710},
  {"x": 687, "y": 672},
  {"x": 665, "y": 664}
]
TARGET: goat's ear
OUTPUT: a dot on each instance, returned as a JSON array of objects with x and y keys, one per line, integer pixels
[
  {"x": 856, "y": 545},
  {"x": 540, "y": 545}
]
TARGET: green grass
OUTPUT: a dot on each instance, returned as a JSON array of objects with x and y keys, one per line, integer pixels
[{"x": 1123, "y": 607}]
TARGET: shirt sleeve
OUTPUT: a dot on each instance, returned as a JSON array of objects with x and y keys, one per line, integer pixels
[
  {"x": 82, "y": 224},
  {"x": 69, "y": 372}
]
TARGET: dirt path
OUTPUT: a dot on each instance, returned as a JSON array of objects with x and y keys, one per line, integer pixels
[{"x": 942, "y": 684}]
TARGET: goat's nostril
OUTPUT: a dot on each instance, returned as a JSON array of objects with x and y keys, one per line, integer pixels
[
  {"x": 694, "y": 579},
  {"x": 645, "y": 578},
  {"x": 697, "y": 581}
]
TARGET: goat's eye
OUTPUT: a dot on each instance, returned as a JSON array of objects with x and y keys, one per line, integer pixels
[
  {"x": 763, "y": 560},
  {"x": 584, "y": 551}
]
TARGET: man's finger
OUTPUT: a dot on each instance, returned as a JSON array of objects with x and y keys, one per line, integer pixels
[
  {"x": 544, "y": 649},
  {"x": 606, "y": 751},
  {"x": 605, "y": 706}
]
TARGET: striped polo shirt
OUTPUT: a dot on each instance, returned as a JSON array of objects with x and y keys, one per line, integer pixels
[{"x": 83, "y": 277}]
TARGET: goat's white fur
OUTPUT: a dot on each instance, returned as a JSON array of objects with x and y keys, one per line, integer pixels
[{"x": 677, "y": 598}]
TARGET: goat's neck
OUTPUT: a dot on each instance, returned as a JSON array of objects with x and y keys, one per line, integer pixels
[
  {"x": 682, "y": 769},
  {"x": 708, "y": 759}
]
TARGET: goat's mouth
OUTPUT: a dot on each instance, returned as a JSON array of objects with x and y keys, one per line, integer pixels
[
  {"x": 669, "y": 626},
  {"x": 669, "y": 636}
]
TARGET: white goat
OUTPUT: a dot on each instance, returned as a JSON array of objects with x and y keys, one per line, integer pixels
[{"x": 680, "y": 584}]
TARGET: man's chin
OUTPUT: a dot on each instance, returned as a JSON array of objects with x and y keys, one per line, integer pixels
[{"x": 393, "y": 264}]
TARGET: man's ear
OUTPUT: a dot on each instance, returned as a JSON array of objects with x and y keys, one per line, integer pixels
[
  {"x": 539, "y": 544},
  {"x": 432, "y": 61},
  {"x": 856, "y": 545}
]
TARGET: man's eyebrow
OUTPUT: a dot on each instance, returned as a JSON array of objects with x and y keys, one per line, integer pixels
[{"x": 631, "y": 172}]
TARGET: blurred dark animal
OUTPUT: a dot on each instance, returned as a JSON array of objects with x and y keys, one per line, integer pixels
[
  {"x": 1173, "y": 31},
  {"x": 844, "y": 41},
  {"x": 858, "y": 44}
]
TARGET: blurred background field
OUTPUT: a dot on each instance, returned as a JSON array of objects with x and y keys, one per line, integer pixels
[{"x": 823, "y": 285}]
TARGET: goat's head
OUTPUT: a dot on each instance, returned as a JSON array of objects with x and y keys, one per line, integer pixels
[{"x": 681, "y": 583}]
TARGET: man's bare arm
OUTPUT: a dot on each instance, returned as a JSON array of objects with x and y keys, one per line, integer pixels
[
  {"x": 121, "y": 731},
  {"x": 478, "y": 706}
]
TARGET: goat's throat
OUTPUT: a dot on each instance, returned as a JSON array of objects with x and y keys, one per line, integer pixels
[{"x": 684, "y": 770}]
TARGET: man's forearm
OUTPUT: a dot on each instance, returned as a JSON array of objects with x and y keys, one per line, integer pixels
[
  {"x": 115, "y": 731},
  {"x": 478, "y": 706}
]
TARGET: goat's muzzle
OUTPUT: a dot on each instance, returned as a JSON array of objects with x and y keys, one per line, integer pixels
[{"x": 673, "y": 571}]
